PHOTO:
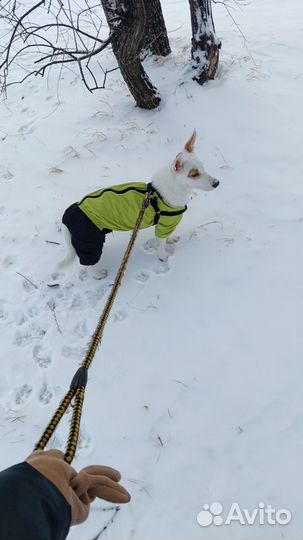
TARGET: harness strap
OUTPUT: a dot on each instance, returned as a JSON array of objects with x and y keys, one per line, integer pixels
[{"x": 154, "y": 203}]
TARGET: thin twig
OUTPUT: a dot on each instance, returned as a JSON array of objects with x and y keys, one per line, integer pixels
[
  {"x": 110, "y": 521},
  {"x": 27, "y": 279},
  {"x": 52, "y": 307},
  {"x": 209, "y": 223}
]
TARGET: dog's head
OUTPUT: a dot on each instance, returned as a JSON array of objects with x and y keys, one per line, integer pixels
[{"x": 189, "y": 170}]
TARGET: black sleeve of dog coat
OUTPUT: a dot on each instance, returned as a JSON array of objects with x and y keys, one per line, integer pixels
[{"x": 31, "y": 507}]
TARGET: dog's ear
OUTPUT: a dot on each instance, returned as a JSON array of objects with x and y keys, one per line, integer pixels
[
  {"x": 178, "y": 163},
  {"x": 191, "y": 142}
]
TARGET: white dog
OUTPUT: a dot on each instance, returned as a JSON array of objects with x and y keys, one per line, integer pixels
[{"x": 116, "y": 208}]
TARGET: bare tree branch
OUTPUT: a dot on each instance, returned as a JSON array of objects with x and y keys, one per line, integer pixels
[{"x": 66, "y": 40}]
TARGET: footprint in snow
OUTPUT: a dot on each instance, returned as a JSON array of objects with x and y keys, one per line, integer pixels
[
  {"x": 64, "y": 279},
  {"x": 23, "y": 338},
  {"x": 65, "y": 292},
  {"x": 80, "y": 329},
  {"x": 45, "y": 394},
  {"x": 6, "y": 174},
  {"x": 120, "y": 315},
  {"x": 28, "y": 111},
  {"x": 28, "y": 287},
  {"x": 70, "y": 351},
  {"x": 21, "y": 319},
  {"x": 3, "y": 314},
  {"x": 57, "y": 275},
  {"x": 22, "y": 394},
  {"x": 10, "y": 260},
  {"x": 25, "y": 335},
  {"x": 85, "y": 443},
  {"x": 142, "y": 276},
  {"x": 93, "y": 297},
  {"x": 150, "y": 245},
  {"x": 77, "y": 302},
  {"x": 27, "y": 129},
  {"x": 32, "y": 312},
  {"x": 40, "y": 356},
  {"x": 57, "y": 442}
]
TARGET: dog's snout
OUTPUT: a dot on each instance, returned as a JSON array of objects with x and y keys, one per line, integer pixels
[{"x": 216, "y": 183}]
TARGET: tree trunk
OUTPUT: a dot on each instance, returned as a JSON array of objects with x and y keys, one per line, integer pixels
[
  {"x": 155, "y": 39},
  {"x": 127, "y": 19},
  {"x": 205, "y": 45}
]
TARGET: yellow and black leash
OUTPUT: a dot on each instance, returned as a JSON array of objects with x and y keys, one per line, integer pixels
[{"x": 76, "y": 391}]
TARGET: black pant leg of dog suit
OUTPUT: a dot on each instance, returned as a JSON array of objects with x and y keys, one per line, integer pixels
[{"x": 86, "y": 238}]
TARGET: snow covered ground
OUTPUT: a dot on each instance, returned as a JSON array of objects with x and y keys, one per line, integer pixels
[{"x": 195, "y": 392}]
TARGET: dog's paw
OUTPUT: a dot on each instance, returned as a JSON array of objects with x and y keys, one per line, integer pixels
[
  {"x": 161, "y": 267},
  {"x": 99, "y": 273},
  {"x": 92, "y": 272},
  {"x": 173, "y": 239},
  {"x": 163, "y": 258}
]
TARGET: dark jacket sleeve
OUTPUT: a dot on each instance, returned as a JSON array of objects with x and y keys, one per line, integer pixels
[{"x": 31, "y": 507}]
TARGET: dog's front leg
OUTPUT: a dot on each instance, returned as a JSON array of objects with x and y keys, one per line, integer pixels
[{"x": 162, "y": 253}]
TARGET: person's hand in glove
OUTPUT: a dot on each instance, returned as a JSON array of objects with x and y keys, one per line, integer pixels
[{"x": 79, "y": 489}]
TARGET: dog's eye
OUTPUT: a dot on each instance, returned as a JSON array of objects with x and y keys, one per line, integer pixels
[{"x": 194, "y": 173}]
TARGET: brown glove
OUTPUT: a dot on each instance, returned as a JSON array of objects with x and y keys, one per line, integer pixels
[{"x": 79, "y": 489}]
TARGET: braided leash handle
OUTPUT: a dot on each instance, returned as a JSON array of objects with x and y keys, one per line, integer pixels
[
  {"x": 51, "y": 426},
  {"x": 78, "y": 384}
]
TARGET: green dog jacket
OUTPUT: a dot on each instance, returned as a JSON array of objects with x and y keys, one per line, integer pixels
[{"x": 117, "y": 208}]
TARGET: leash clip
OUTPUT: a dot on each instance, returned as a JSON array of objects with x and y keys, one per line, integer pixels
[{"x": 79, "y": 379}]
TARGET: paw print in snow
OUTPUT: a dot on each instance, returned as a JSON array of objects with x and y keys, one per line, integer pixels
[
  {"x": 45, "y": 394},
  {"x": 80, "y": 329},
  {"x": 150, "y": 246},
  {"x": 3, "y": 314},
  {"x": 77, "y": 302},
  {"x": 22, "y": 394},
  {"x": 10, "y": 260},
  {"x": 85, "y": 443},
  {"x": 93, "y": 297},
  {"x": 40, "y": 356},
  {"x": 23, "y": 338},
  {"x": 70, "y": 351},
  {"x": 142, "y": 276},
  {"x": 25, "y": 335},
  {"x": 120, "y": 315}
]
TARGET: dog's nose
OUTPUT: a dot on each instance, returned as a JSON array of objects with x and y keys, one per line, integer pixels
[{"x": 216, "y": 183}]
